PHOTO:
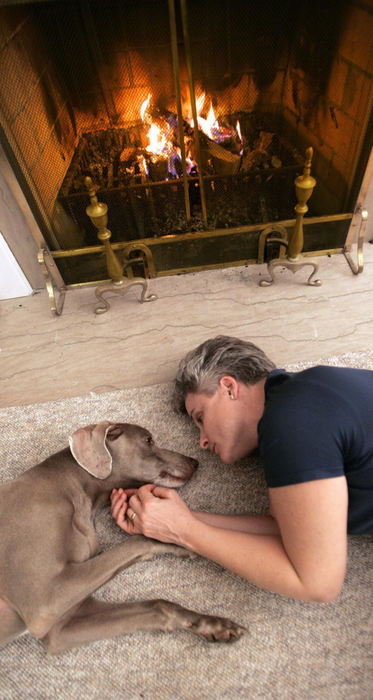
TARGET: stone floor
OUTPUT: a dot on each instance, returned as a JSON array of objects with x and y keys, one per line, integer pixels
[{"x": 44, "y": 357}]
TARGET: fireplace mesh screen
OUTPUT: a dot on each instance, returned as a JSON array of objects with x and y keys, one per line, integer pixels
[{"x": 74, "y": 77}]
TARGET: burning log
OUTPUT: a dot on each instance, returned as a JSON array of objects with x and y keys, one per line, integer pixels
[
  {"x": 223, "y": 161},
  {"x": 260, "y": 155},
  {"x": 128, "y": 153},
  {"x": 157, "y": 169}
]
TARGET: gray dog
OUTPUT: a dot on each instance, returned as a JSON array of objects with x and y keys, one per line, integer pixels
[{"x": 49, "y": 551}]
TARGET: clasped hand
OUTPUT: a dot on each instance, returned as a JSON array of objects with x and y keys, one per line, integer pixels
[{"x": 160, "y": 513}]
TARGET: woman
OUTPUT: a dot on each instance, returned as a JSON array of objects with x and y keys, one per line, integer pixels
[{"x": 314, "y": 430}]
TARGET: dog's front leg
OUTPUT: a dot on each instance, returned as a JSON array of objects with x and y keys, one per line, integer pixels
[{"x": 78, "y": 580}]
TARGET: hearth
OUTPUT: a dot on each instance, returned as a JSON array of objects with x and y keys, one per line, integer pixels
[{"x": 191, "y": 118}]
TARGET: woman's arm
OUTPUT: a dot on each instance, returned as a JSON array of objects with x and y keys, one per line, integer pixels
[
  {"x": 254, "y": 524},
  {"x": 306, "y": 560}
]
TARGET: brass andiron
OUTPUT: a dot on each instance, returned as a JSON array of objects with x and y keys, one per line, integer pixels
[
  {"x": 294, "y": 261},
  {"x": 359, "y": 266},
  {"x": 46, "y": 262},
  {"x": 97, "y": 212}
]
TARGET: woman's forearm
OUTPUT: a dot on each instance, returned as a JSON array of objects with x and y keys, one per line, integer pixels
[
  {"x": 254, "y": 524},
  {"x": 260, "y": 560}
]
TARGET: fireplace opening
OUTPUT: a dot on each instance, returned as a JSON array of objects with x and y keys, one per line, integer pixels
[{"x": 91, "y": 89}]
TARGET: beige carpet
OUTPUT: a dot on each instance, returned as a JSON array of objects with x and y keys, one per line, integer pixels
[{"x": 293, "y": 649}]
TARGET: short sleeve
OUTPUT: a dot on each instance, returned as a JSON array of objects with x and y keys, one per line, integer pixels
[{"x": 299, "y": 436}]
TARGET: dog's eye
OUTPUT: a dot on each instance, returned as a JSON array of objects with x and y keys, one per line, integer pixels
[{"x": 149, "y": 440}]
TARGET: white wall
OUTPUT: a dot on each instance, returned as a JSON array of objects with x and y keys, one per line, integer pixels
[
  {"x": 13, "y": 282},
  {"x": 18, "y": 228}
]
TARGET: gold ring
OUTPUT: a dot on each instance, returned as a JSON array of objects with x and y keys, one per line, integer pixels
[{"x": 132, "y": 516}]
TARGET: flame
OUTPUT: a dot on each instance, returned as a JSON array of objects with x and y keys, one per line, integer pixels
[
  {"x": 200, "y": 101},
  {"x": 190, "y": 164},
  {"x": 157, "y": 141},
  {"x": 157, "y": 135},
  {"x": 211, "y": 119},
  {"x": 239, "y": 134},
  {"x": 145, "y": 106},
  {"x": 209, "y": 125}
]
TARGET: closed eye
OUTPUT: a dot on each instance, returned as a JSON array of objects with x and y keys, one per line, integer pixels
[
  {"x": 196, "y": 418},
  {"x": 149, "y": 440}
]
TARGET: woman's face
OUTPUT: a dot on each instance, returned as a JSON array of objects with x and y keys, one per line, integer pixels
[{"x": 223, "y": 421}]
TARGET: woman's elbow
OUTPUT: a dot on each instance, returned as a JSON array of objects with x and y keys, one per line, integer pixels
[
  {"x": 327, "y": 596},
  {"x": 325, "y": 592}
]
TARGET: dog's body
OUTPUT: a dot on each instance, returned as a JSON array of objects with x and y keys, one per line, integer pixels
[{"x": 49, "y": 551}]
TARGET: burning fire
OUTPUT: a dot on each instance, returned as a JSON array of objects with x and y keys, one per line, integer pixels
[
  {"x": 158, "y": 145},
  {"x": 161, "y": 142},
  {"x": 162, "y": 136},
  {"x": 159, "y": 134},
  {"x": 145, "y": 106},
  {"x": 210, "y": 126},
  {"x": 238, "y": 130}
]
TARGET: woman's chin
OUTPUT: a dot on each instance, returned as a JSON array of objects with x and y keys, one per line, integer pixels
[
  {"x": 227, "y": 458},
  {"x": 232, "y": 456}
]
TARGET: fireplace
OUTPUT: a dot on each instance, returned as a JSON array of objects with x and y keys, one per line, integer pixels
[{"x": 114, "y": 90}]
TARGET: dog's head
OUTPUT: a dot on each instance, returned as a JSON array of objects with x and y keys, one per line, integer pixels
[{"x": 128, "y": 453}]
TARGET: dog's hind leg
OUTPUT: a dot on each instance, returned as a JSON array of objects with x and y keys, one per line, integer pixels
[
  {"x": 95, "y": 620},
  {"x": 11, "y": 625},
  {"x": 77, "y": 581}
]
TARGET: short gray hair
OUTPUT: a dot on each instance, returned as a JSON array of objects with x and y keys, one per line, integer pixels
[{"x": 202, "y": 368}]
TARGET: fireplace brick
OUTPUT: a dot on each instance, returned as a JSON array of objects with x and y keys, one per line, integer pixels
[
  {"x": 139, "y": 69},
  {"x": 337, "y": 81},
  {"x": 356, "y": 39},
  {"x": 128, "y": 102},
  {"x": 49, "y": 186},
  {"x": 12, "y": 100},
  {"x": 24, "y": 132},
  {"x": 118, "y": 74}
]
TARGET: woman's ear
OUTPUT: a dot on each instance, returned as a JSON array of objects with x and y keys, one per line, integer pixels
[{"x": 229, "y": 386}]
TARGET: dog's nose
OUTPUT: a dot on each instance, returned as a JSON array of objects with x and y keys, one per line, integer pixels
[{"x": 195, "y": 462}]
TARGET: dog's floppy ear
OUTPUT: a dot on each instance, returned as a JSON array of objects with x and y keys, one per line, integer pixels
[{"x": 88, "y": 447}]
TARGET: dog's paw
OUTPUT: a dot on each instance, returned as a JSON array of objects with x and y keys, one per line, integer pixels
[{"x": 217, "y": 629}]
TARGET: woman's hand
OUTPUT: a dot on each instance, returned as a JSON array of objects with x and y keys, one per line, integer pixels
[
  {"x": 153, "y": 511},
  {"x": 119, "y": 507}
]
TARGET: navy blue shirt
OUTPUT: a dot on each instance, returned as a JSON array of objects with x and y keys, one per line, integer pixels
[{"x": 318, "y": 424}]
